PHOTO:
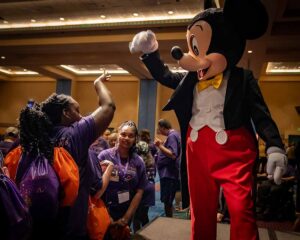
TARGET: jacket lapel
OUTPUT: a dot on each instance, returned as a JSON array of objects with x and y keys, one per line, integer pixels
[
  {"x": 234, "y": 80},
  {"x": 183, "y": 92}
]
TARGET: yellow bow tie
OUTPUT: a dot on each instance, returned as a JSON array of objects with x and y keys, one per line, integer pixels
[{"x": 215, "y": 82}]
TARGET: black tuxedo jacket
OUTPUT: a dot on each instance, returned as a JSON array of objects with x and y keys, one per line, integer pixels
[{"x": 243, "y": 103}]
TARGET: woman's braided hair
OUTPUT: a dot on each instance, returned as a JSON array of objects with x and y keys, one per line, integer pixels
[
  {"x": 54, "y": 105},
  {"x": 36, "y": 124},
  {"x": 35, "y": 129}
]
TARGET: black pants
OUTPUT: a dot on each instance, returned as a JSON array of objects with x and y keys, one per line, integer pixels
[{"x": 140, "y": 218}]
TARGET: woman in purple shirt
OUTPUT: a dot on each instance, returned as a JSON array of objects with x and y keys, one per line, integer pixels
[
  {"x": 76, "y": 133},
  {"x": 128, "y": 179}
]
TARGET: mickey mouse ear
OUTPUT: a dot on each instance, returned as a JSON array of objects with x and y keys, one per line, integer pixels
[{"x": 249, "y": 17}]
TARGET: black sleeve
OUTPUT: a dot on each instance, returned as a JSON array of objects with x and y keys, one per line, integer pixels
[
  {"x": 160, "y": 72},
  {"x": 260, "y": 114}
]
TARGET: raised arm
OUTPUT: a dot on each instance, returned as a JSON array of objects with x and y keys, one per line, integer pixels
[
  {"x": 107, "y": 168},
  {"x": 105, "y": 112},
  {"x": 145, "y": 42}
]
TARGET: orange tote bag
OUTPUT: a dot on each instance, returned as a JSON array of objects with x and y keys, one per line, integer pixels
[{"x": 98, "y": 219}]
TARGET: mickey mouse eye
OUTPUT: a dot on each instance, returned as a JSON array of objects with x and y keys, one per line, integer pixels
[{"x": 194, "y": 45}]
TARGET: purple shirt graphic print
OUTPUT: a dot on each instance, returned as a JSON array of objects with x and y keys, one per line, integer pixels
[{"x": 127, "y": 176}]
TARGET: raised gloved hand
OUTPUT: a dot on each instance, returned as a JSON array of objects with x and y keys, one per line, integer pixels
[
  {"x": 144, "y": 42},
  {"x": 277, "y": 164}
]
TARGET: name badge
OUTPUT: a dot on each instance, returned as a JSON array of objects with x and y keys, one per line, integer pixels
[{"x": 123, "y": 196}]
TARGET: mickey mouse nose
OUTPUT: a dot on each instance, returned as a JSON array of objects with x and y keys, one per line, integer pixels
[{"x": 176, "y": 53}]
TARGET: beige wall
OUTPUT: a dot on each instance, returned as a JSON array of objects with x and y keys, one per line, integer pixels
[
  {"x": 14, "y": 96},
  {"x": 125, "y": 94},
  {"x": 281, "y": 98},
  {"x": 163, "y": 95}
]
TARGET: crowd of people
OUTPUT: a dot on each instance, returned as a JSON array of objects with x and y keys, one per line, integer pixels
[{"x": 117, "y": 166}]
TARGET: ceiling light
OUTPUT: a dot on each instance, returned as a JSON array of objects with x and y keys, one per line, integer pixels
[
  {"x": 249, "y": 51},
  {"x": 170, "y": 12},
  {"x": 94, "y": 71},
  {"x": 79, "y": 22},
  {"x": 33, "y": 20},
  {"x": 17, "y": 71},
  {"x": 283, "y": 68},
  {"x": 3, "y": 57},
  {"x": 135, "y": 14},
  {"x": 103, "y": 16}
]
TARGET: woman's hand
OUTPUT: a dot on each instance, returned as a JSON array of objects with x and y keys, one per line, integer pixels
[
  {"x": 219, "y": 217},
  {"x": 5, "y": 171},
  {"x": 107, "y": 165},
  {"x": 121, "y": 222},
  {"x": 157, "y": 142},
  {"x": 104, "y": 77}
]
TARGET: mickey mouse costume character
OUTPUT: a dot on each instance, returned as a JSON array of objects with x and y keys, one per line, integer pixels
[{"x": 216, "y": 104}]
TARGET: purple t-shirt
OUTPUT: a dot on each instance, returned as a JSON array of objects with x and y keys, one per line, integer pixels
[
  {"x": 76, "y": 139},
  {"x": 127, "y": 176},
  {"x": 167, "y": 167},
  {"x": 98, "y": 146},
  {"x": 149, "y": 192}
]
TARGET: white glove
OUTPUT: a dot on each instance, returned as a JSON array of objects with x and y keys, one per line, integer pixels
[
  {"x": 144, "y": 42},
  {"x": 277, "y": 164}
]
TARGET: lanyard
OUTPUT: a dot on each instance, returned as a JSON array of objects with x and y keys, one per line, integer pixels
[{"x": 121, "y": 165}]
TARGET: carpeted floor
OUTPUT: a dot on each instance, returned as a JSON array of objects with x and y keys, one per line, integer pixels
[
  {"x": 285, "y": 226},
  {"x": 158, "y": 211},
  {"x": 163, "y": 228}
]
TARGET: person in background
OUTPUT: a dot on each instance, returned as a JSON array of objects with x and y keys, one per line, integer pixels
[
  {"x": 11, "y": 135},
  {"x": 290, "y": 151},
  {"x": 128, "y": 179},
  {"x": 222, "y": 212},
  {"x": 276, "y": 202},
  {"x": 112, "y": 139},
  {"x": 141, "y": 215},
  {"x": 106, "y": 134},
  {"x": 76, "y": 133},
  {"x": 144, "y": 135},
  {"x": 168, "y": 163},
  {"x": 98, "y": 146}
]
